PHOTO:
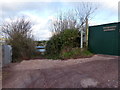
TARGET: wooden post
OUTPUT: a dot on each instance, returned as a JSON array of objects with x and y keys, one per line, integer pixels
[{"x": 86, "y": 32}]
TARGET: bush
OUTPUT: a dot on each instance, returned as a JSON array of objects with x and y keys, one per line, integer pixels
[
  {"x": 19, "y": 36},
  {"x": 68, "y": 38},
  {"x": 24, "y": 48},
  {"x": 66, "y": 45}
]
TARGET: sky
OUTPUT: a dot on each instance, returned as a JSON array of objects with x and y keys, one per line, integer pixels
[{"x": 41, "y": 12}]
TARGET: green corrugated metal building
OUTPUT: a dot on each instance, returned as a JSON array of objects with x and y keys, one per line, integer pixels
[{"x": 104, "y": 39}]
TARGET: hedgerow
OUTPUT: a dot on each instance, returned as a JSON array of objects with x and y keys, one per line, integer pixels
[{"x": 68, "y": 38}]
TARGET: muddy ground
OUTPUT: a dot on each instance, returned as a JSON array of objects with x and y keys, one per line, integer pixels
[{"x": 99, "y": 71}]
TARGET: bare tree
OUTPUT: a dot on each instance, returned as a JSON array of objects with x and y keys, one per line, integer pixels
[
  {"x": 18, "y": 33},
  {"x": 84, "y": 13},
  {"x": 19, "y": 26},
  {"x": 59, "y": 24},
  {"x": 64, "y": 20},
  {"x": 75, "y": 18},
  {"x": 78, "y": 17}
]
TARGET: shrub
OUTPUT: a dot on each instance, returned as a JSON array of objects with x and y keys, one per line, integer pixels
[
  {"x": 24, "y": 48},
  {"x": 53, "y": 45},
  {"x": 68, "y": 38},
  {"x": 18, "y": 34}
]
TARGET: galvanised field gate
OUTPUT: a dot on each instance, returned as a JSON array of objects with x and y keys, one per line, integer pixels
[{"x": 104, "y": 39}]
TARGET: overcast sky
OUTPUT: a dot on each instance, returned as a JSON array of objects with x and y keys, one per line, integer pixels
[{"x": 40, "y": 12}]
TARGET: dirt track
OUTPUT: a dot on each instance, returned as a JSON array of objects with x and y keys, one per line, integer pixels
[{"x": 97, "y": 71}]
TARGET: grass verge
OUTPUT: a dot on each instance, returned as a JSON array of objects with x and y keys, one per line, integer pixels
[{"x": 71, "y": 53}]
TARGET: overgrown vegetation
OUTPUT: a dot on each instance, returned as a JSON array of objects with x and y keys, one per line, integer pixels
[
  {"x": 65, "y": 42},
  {"x": 67, "y": 38},
  {"x": 75, "y": 53},
  {"x": 18, "y": 34},
  {"x": 65, "y": 45}
]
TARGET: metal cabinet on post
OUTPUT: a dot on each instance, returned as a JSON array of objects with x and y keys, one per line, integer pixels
[{"x": 6, "y": 54}]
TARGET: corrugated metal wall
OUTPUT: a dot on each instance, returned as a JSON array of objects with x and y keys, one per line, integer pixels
[{"x": 104, "y": 39}]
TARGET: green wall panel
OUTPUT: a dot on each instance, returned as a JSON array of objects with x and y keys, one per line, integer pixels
[{"x": 104, "y": 42}]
